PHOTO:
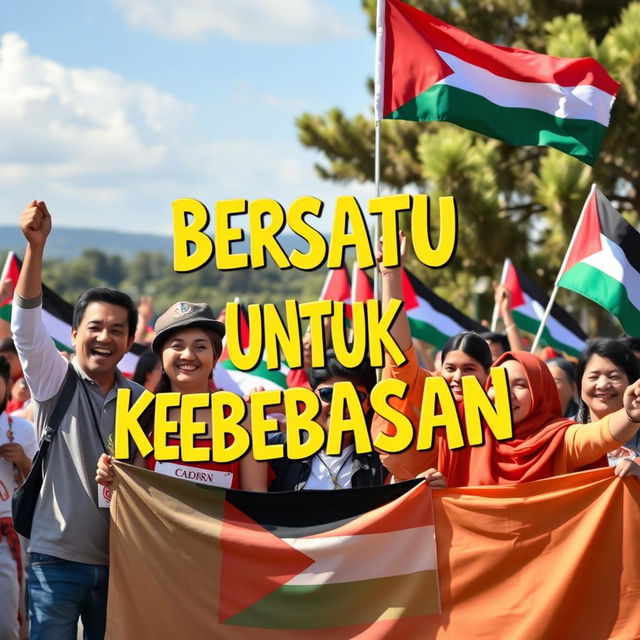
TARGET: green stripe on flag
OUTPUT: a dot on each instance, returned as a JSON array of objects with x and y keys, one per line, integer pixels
[
  {"x": 326, "y": 606},
  {"x": 261, "y": 371},
  {"x": 427, "y": 332},
  {"x": 531, "y": 325},
  {"x": 604, "y": 290},
  {"x": 518, "y": 126},
  {"x": 5, "y": 314}
]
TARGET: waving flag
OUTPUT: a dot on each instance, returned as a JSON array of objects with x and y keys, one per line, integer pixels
[
  {"x": 431, "y": 71},
  {"x": 57, "y": 315},
  {"x": 431, "y": 318},
  {"x": 529, "y": 301},
  {"x": 603, "y": 261},
  {"x": 228, "y": 377}
]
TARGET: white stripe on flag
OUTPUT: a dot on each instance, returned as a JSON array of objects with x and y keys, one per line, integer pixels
[
  {"x": 340, "y": 559},
  {"x": 613, "y": 261},
  {"x": 559, "y": 332},
  {"x": 424, "y": 312},
  {"x": 583, "y": 102}
]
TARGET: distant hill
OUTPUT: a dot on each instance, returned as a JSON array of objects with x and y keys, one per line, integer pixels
[{"x": 70, "y": 242}]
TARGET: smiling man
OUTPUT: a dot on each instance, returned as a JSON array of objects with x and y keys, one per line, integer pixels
[{"x": 68, "y": 571}]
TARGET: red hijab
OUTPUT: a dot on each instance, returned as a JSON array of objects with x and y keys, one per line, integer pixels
[{"x": 530, "y": 454}]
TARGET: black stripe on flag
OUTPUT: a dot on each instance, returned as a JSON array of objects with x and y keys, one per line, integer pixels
[
  {"x": 442, "y": 306},
  {"x": 560, "y": 314},
  {"x": 618, "y": 230},
  {"x": 285, "y": 515}
]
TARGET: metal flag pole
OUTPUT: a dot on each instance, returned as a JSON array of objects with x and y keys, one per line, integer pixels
[
  {"x": 378, "y": 113},
  {"x": 547, "y": 311}
]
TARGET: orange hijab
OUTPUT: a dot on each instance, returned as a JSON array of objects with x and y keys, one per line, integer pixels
[{"x": 530, "y": 454}]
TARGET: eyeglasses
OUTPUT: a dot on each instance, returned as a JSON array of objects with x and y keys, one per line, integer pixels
[{"x": 326, "y": 394}]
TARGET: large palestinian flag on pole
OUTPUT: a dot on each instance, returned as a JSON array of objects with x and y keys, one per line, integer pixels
[
  {"x": 428, "y": 70},
  {"x": 310, "y": 564},
  {"x": 554, "y": 558},
  {"x": 603, "y": 261},
  {"x": 529, "y": 302},
  {"x": 57, "y": 315},
  {"x": 228, "y": 377},
  {"x": 431, "y": 318}
]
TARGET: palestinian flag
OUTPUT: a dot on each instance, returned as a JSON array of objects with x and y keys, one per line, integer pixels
[
  {"x": 361, "y": 285},
  {"x": 431, "y": 318},
  {"x": 430, "y": 71},
  {"x": 338, "y": 288},
  {"x": 603, "y": 261},
  {"x": 529, "y": 302},
  {"x": 10, "y": 273},
  {"x": 310, "y": 564},
  {"x": 57, "y": 315},
  {"x": 228, "y": 377}
]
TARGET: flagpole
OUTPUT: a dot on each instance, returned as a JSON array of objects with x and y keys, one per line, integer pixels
[
  {"x": 543, "y": 321},
  {"x": 547, "y": 311},
  {"x": 378, "y": 114},
  {"x": 496, "y": 308}
]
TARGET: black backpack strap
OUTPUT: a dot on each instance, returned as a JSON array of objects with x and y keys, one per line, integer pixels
[{"x": 68, "y": 389}]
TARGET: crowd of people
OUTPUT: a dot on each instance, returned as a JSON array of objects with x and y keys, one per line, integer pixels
[{"x": 566, "y": 418}]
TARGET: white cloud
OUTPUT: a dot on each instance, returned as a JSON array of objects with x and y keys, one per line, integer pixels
[
  {"x": 265, "y": 21},
  {"x": 108, "y": 153}
]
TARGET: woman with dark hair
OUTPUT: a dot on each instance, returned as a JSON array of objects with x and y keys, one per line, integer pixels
[
  {"x": 606, "y": 368},
  {"x": 465, "y": 354},
  {"x": 565, "y": 375},
  {"x": 148, "y": 371},
  {"x": 189, "y": 342}
]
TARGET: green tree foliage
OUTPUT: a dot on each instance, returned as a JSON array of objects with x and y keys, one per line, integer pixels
[
  {"x": 517, "y": 202},
  {"x": 152, "y": 274}
]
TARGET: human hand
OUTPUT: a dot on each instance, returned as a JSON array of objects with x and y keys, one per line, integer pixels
[
  {"x": 35, "y": 223},
  {"x": 627, "y": 467},
  {"x": 402, "y": 241},
  {"x": 632, "y": 401},
  {"x": 434, "y": 478},
  {"x": 104, "y": 471},
  {"x": 13, "y": 452}
]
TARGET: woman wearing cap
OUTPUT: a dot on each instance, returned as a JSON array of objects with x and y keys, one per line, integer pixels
[{"x": 189, "y": 342}]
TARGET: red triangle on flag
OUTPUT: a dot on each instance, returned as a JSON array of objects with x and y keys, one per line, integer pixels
[
  {"x": 10, "y": 271},
  {"x": 586, "y": 237},
  {"x": 338, "y": 288},
  {"x": 254, "y": 563},
  {"x": 408, "y": 293},
  {"x": 412, "y": 65},
  {"x": 512, "y": 283},
  {"x": 361, "y": 285}
]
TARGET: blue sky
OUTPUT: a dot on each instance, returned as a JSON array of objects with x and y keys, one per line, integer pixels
[{"x": 110, "y": 109}]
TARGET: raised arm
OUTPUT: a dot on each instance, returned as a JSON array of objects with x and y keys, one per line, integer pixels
[
  {"x": 43, "y": 366},
  {"x": 502, "y": 298},
  {"x": 624, "y": 424},
  {"x": 392, "y": 288}
]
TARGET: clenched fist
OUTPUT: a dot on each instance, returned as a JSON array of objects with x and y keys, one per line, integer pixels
[{"x": 35, "y": 222}]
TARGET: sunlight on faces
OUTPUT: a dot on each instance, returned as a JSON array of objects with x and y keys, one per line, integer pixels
[
  {"x": 457, "y": 364},
  {"x": 566, "y": 388},
  {"x": 101, "y": 339},
  {"x": 188, "y": 360},
  {"x": 519, "y": 391},
  {"x": 603, "y": 386}
]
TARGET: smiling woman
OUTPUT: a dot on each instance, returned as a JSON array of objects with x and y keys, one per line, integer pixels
[{"x": 189, "y": 342}]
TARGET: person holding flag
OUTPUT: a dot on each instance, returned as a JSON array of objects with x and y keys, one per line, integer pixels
[{"x": 544, "y": 443}]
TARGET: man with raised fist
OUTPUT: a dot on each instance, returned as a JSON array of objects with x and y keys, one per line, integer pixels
[{"x": 68, "y": 570}]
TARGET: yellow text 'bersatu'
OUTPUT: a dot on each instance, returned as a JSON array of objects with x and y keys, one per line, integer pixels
[
  {"x": 266, "y": 219},
  {"x": 232, "y": 437}
]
